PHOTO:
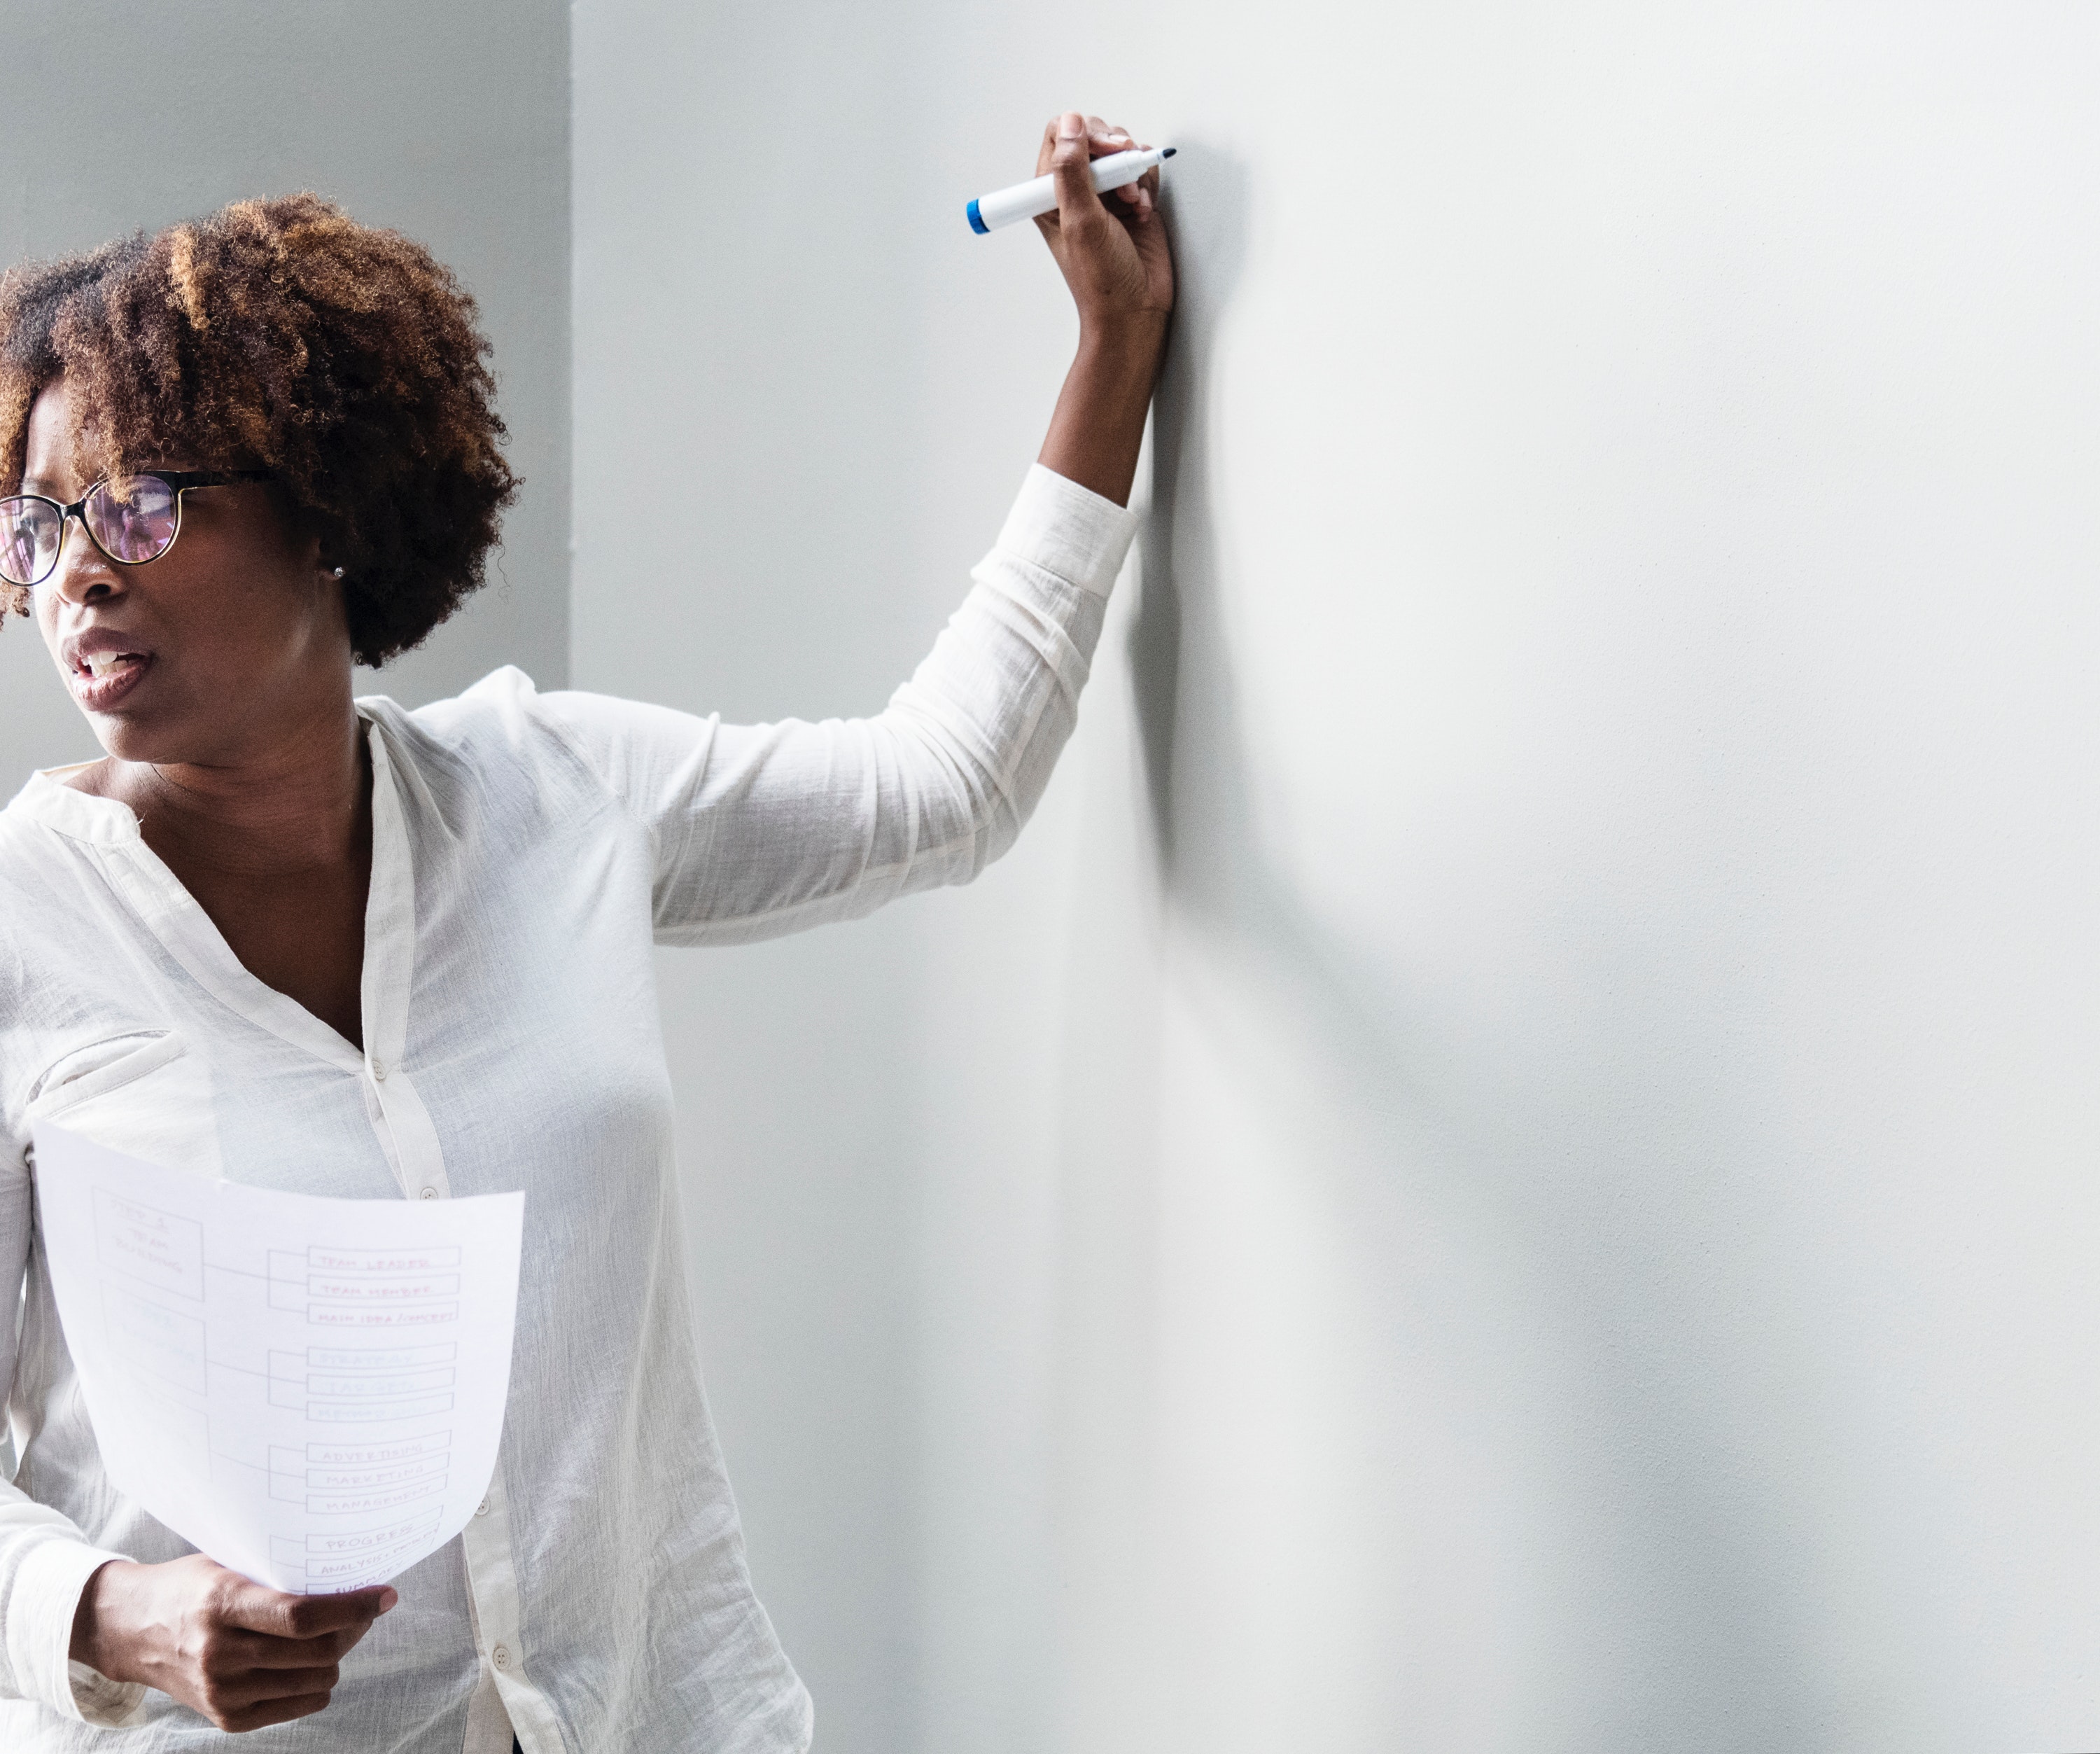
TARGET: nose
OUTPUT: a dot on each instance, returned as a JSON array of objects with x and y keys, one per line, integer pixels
[{"x": 84, "y": 573}]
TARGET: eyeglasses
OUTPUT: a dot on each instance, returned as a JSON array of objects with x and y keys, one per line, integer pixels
[{"x": 131, "y": 519}]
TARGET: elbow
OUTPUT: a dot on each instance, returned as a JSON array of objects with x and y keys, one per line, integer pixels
[
  {"x": 991, "y": 825},
  {"x": 969, "y": 781},
  {"x": 963, "y": 811}
]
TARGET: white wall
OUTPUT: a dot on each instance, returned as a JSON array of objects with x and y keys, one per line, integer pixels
[
  {"x": 1508, "y": 1162},
  {"x": 417, "y": 116},
  {"x": 1509, "y": 1166}
]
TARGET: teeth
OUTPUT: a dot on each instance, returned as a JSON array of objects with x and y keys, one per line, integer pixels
[{"x": 101, "y": 663}]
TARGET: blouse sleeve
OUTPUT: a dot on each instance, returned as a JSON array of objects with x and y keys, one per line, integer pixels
[
  {"x": 45, "y": 1559},
  {"x": 764, "y": 829}
]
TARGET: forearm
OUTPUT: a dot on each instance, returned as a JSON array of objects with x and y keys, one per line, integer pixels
[
  {"x": 760, "y": 830},
  {"x": 1099, "y": 424}
]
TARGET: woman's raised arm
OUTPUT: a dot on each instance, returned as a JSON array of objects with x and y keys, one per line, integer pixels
[{"x": 757, "y": 830}]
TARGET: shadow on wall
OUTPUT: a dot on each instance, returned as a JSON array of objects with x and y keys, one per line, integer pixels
[{"x": 1665, "y": 1597}]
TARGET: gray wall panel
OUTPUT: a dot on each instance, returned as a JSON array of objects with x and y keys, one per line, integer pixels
[{"x": 448, "y": 121}]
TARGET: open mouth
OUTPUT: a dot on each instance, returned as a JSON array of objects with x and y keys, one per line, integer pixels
[{"x": 99, "y": 678}]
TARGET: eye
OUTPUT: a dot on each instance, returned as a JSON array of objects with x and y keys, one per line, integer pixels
[
  {"x": 133, "y": 517},
  {"x": 142, "y": 496},
  {"x": 29, "y": 540}
]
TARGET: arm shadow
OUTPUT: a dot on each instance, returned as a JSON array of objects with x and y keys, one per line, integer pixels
[{"x": 1434, "y": 1129}]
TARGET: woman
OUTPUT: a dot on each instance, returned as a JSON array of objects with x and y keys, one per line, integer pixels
[{"x": 334, "y": 946}]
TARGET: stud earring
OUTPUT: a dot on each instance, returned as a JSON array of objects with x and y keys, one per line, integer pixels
[{"x": 338, "y": 572}]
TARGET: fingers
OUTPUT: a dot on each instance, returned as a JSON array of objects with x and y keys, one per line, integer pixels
[
  {"x": 1106, "y": 138},
  {"x": 246, "y": 1649},
  {"x": 1102, "y": 138},
  {"x": 237, "y": 1709},
  {"x": 244, "y": 1689},
  {"x": 273, "y": 1612},
  {"x": 1134, "y": 199},
  {"x": 237, "y": 1696},
  {"x": 266, "y": 1657},
  {"x": 1071, "y": 142},
  {"x": 1071, "y": 156},
  {"x": 1141, "y": 195}
]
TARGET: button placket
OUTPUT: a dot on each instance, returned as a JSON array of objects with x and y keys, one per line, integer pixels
[
  {"x": 399, "y": 1113},
  {"x": 421, "y": 1161},
  {"x": 493, "y": 1582}
]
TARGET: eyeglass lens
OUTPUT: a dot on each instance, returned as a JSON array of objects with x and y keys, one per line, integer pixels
[{"x": 132, "y": 519}]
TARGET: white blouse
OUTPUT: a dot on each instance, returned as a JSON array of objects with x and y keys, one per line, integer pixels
[{"x": 528, "y": 850}]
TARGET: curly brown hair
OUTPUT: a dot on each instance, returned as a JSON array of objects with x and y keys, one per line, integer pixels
[{"x": 281, "y": 335}]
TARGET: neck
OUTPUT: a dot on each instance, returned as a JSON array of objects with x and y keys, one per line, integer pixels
[{"x": 302, "y": 802}]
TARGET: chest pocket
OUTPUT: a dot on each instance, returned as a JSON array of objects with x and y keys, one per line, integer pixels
[{"x": 145, "y": 1092}]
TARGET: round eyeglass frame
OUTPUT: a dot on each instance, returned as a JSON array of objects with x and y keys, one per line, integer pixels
[{"x": 180, "y": 480}]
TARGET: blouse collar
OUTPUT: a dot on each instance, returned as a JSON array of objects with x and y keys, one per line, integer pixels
[{"x": 83, "y": 816}]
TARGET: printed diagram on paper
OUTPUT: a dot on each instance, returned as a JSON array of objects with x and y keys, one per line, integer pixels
[{"x": 309, "y": 1390}]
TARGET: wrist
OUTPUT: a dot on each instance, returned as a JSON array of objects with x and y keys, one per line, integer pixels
[
  {"x": 95, "y": 1622},
  {"x": 1131, "y": 338}
]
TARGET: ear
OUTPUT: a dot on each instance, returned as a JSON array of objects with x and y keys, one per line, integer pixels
[{"x": 318, "y": 558}]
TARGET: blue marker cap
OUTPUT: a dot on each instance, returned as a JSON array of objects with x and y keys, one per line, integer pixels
[{"x": 977, "y": 224}]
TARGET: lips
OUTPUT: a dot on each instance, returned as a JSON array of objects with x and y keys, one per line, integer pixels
[{"x": 103, "y": 665}]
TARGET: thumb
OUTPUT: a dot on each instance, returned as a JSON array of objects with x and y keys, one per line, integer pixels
[{"x": 1071, "y": 165}]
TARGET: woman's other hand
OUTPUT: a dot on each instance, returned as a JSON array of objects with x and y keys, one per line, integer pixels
[
  {"x": 239, "y": 1655},
  {"x": 1112, "y": 248}
]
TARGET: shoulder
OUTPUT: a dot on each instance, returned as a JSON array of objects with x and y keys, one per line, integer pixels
[
  {"x": 44, "y": 829},
  {"x": 504, "y": 735},
  {"x": 497, "y": 733},
  {"x": 614, "y": 740},
  {"x": 497, "y": 709}
]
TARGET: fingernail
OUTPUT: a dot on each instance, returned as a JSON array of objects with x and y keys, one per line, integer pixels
[
  {"x": 1069, "y": 125},
  {"x": 387, "y": 1599}
]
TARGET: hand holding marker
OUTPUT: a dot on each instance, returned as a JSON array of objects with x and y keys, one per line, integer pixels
[
  {"x": 1116, "y": 259},
  {"x": 1025, "y": 201}
]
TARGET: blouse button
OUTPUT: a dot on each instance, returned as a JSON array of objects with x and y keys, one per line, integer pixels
[
  {"x": 429, "y": 1193},
  {"x": 379, "y": 1071},
  {"x": 502, "y": 1655},
  {"x": 481, "y": 1510}
]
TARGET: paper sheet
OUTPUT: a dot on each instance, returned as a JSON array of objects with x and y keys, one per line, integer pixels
[{"x": 309, "y": 1390}]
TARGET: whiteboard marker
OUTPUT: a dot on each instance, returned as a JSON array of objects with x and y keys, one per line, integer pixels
[{"x": 1024, "y": 201}]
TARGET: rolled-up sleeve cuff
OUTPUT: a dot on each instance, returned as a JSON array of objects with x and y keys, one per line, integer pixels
[
  {"x": 41, "y": 1608},
  {"x": 1062, "y": 528}
]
